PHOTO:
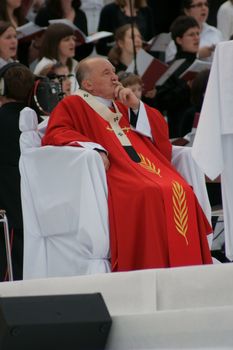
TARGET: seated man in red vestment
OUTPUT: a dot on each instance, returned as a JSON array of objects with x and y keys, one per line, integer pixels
[{"x": 155, "y": 219}]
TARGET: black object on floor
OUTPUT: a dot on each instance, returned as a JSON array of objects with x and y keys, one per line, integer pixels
[{"x": 74, "y": 322}]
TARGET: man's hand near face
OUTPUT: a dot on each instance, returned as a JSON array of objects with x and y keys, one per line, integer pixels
[{"x": 126, "y": 96}]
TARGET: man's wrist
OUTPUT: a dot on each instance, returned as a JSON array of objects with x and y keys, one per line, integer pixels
[{"x": 135, "y": 107}]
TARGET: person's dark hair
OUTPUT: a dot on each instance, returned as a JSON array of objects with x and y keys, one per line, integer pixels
[
  {"x": 186, "y": 4},
  {"x": 4, "y": 26},
  {"x": 52, "y": 37},
  {"x": 198, "y": 88},
  {"x": 128, "y": 79},
  {"x": 180, "y": 25},
  {"x": 19, "y": 81},
  {"x": 115, "y": 53},
  {"x": 137, "y": 3},
  {"x": 4, "y": 16},
  {"x": 55, "y": 7}
]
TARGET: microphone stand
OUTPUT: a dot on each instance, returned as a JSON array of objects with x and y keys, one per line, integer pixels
[{"x": 133, "y": 38}]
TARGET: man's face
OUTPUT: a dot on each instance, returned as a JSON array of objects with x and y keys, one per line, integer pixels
[
  {"x": 103, "y": 79},
  {"x": 199, "y": 9}
]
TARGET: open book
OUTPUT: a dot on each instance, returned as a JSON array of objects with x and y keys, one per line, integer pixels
[
  {"x": 28, "y": 31},
  {"x": 183, "y": 69},
  {"x": 170, "y": 71},
  {"x": 159, "y": 42},
  {"x": 196, "y": 67},
  {"x": 149, "y": 68},
  {"x": 80, "y": 36}
]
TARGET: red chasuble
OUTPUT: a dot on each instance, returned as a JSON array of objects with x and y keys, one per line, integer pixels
[{"x": 155, "y": 218}]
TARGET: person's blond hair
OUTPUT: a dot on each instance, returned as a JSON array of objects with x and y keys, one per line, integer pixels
[{"x": 115, "y": 53}]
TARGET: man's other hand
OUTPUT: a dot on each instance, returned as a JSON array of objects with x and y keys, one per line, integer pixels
[{"x": 105, "y": 160}]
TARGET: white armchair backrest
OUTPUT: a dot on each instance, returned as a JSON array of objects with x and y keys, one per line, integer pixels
[
  {"x": 59, "y": 195},
  {"x": 28, "y": 125}
]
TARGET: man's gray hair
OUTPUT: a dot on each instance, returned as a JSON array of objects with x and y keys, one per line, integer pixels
[{"x": 84, "y": 69}]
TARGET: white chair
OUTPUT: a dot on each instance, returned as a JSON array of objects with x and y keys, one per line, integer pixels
[{"x": 64, "y": 202}]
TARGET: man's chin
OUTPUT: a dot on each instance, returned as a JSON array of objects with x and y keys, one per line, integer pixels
[
  {"x": 104, "y": 97},
  {"x": 107, "y": 96}
]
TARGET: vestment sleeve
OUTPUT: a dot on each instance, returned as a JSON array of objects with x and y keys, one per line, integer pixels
[{"x": 64, "y": 127}]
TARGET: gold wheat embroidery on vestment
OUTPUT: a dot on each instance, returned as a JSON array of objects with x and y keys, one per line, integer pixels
[
  {"x": 123, "y": 129},
  {"x": 148, "y": 165},
  {"x": 180, "y": 209}
]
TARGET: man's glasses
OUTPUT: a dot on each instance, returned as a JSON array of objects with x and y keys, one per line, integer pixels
[
  {"x": 199, "y": 5},
  {"x": 193, "y": 34}
]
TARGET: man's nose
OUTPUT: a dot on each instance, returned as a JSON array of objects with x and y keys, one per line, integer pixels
[{"x": 115, "y": 76}]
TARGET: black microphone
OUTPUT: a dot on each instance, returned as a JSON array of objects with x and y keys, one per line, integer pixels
[{"x": 133, "y": 38}]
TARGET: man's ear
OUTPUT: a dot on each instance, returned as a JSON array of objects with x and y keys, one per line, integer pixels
[{"x": 87, "y": 85}]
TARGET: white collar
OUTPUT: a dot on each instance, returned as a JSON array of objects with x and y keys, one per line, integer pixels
[
  {"x": 4, "y": 62},
  {"x": 105, "y": 101}
]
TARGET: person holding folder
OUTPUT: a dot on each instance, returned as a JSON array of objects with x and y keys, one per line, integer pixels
[{"x": 173, "y": 96}]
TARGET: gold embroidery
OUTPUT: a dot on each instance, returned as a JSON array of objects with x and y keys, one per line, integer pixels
[
  {"x": 124, "y": 129},
  {"x": 148, "y": 165},
  {"x": 180, "y": 209}
]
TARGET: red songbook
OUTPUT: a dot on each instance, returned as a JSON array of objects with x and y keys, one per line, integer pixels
[
  {"x": 188, "y": 73},
  {"x": 149, "y": 68},
  {"x": 196, "y": 67}
]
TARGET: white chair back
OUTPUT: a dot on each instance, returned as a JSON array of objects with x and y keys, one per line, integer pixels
[
  {"x": 65, "y": 211},
  {"x": 28, "y": 125}
]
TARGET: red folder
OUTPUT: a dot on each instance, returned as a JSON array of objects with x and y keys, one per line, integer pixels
[{"x": 149, "y": 68}]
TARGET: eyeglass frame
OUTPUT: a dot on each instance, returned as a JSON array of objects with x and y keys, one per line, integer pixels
[{"x": 63, "y": 76}]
